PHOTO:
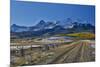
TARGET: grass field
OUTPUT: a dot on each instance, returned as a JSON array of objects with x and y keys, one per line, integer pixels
[
  {"x": 78, "y": 50},
  {"x": 84, "y": 35}
]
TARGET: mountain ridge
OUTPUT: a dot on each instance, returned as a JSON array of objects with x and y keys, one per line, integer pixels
[{"x": 51, "y": 28}]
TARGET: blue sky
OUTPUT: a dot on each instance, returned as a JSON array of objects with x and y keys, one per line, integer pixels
[{"x": 30, "y": 13}]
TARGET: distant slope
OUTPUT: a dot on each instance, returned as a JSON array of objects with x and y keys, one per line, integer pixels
[{"x": 81, "y": 35}]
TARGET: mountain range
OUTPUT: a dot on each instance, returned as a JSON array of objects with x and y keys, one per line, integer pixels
[{"x": 43, "y": 28}]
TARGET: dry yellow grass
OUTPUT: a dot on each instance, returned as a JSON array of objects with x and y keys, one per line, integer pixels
[{"x": 81, "y": 35}]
